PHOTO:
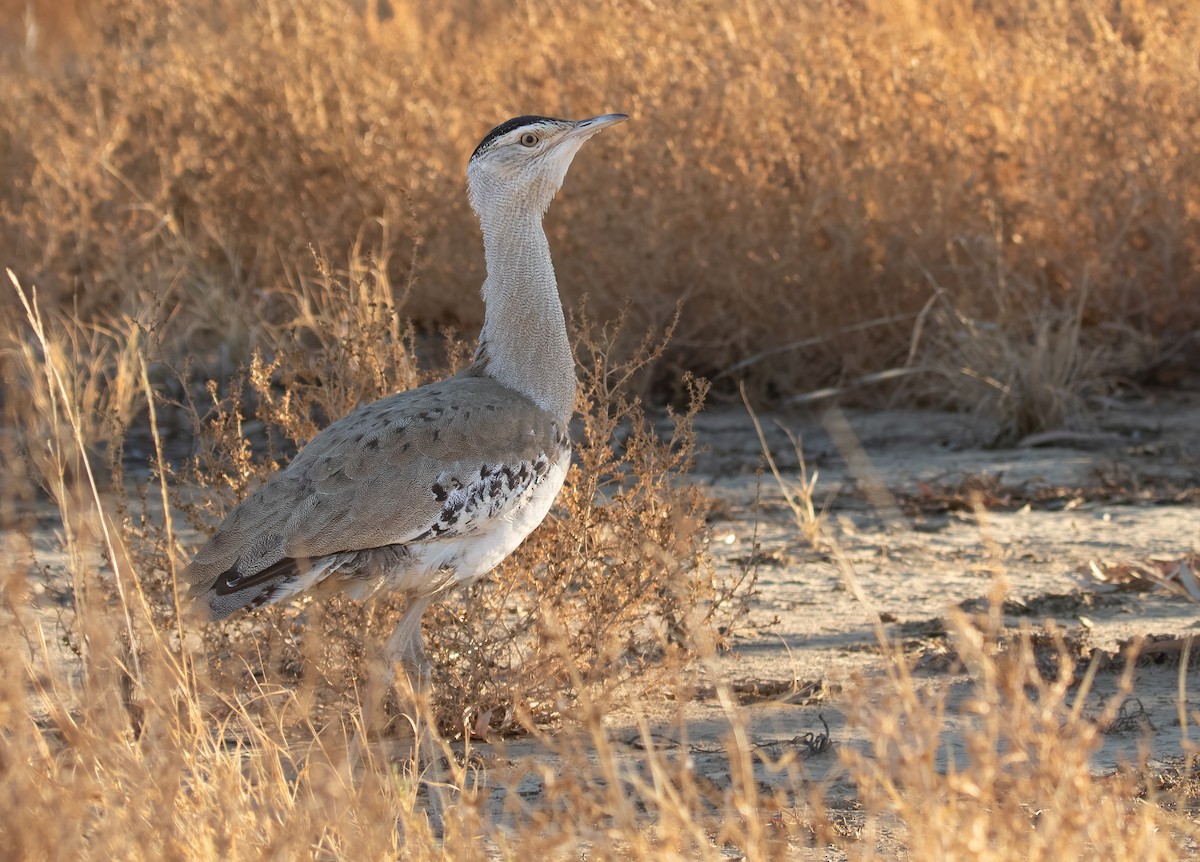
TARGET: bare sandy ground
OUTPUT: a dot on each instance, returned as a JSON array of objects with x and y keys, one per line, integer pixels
[
  {"x": 901, "y": 517},
  {"x": 1051, "y": 512},
  {"x": 895, "y": 485}
]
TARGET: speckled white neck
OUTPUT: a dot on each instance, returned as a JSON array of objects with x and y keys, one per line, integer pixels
[{"x": 524, "y": 340}]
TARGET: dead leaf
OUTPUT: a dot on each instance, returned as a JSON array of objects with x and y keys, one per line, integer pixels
[{"x": 1176, "y": 576}]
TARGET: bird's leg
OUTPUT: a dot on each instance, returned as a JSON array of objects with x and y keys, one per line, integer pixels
[
  {"x": 428, "y": 756},
  {"x": 406, "y": 648},
  {"x": 402, "y": 647}
]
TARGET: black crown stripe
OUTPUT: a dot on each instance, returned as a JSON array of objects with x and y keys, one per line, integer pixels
[{"x": 507, "y": 126}]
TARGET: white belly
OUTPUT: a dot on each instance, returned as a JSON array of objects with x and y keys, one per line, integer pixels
[
  {"x": 475, "y": 556},
  {"x": 437, "y": 564},
  {"x": 427, "y": 567}
]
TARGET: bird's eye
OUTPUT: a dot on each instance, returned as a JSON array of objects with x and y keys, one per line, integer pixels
[{"x": 529, "y": 139}]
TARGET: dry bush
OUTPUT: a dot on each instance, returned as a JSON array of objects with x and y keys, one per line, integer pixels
[
  {"x": 1038, "y": 370},
  {"x": 793, "y": 168},
  {"x": 620, "y": 573},
  {"x": 620, "y": 568},
  {"x": 1021, "y": 784},
  {"x": 107, "y": 725}
]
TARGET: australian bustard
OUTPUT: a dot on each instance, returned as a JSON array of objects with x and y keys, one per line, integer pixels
[{"x": 430, "y": 488}]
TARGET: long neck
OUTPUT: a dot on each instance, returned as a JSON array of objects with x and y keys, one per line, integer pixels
[{"x": 524, "y": 343}]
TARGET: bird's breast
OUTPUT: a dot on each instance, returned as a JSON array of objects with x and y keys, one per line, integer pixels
[
  {"x": 480, "y": 523},
  {"x": 494, "y": 524}
]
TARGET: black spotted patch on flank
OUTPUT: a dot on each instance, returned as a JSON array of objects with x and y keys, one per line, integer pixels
[{"x": 507, "y": 126}]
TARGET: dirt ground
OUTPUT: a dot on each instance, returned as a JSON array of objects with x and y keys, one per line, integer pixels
[
  {"x": 896, "y": 486},
  {"x": 902, "y": 515}
]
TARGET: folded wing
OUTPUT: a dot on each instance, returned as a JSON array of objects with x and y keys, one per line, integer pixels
[{"x": 432, "y": 464}]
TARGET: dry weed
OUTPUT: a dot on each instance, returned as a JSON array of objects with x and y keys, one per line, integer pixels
[
  {"x": 797, "y": 493},
  {"x": 1030, "y": 372},
  {"x": 1019, "y": 783},
  {"x": 107, "y": 724},
  {"x": 805, "y": 167}
]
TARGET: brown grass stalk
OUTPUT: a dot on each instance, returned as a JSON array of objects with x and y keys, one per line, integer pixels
[{"x": 799, "y": 169}]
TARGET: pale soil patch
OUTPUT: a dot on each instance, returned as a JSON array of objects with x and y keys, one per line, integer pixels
[
  {"x": 808, "y": 628},
  {"x": 809, "y": 640}
]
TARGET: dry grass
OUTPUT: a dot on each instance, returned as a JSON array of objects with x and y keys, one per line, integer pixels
[
  {"x": 798, "y": 169},
  {"x": 1022, "y": 378},
  {"x": 1020, "y": 785},
  {"x": 794, "y": 168},
  {"x": 155, "y": 745},
  {"x": 798, "y": 493}
]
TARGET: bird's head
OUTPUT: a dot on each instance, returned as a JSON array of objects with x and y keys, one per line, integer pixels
[{"x": 521, "y": 163}]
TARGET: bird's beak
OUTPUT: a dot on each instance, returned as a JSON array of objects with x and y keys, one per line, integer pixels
[{"x": 586, "y": 128}]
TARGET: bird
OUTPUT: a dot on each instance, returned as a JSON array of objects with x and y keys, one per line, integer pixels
[{"x": 430, "y": 488}]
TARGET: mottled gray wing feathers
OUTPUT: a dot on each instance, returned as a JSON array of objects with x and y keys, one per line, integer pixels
[{"x": 394, "y": 471}]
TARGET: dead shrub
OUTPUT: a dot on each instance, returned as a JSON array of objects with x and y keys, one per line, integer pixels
[
  {"x": 794, "y": 169},
  {"x": 619, "y": 574},
  {"x": 620, "y": 566},
  {"x": 1033, "y": 368},
  {"x": 1018, "y": 381},
  {"x": 1020, "y": 785}
]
